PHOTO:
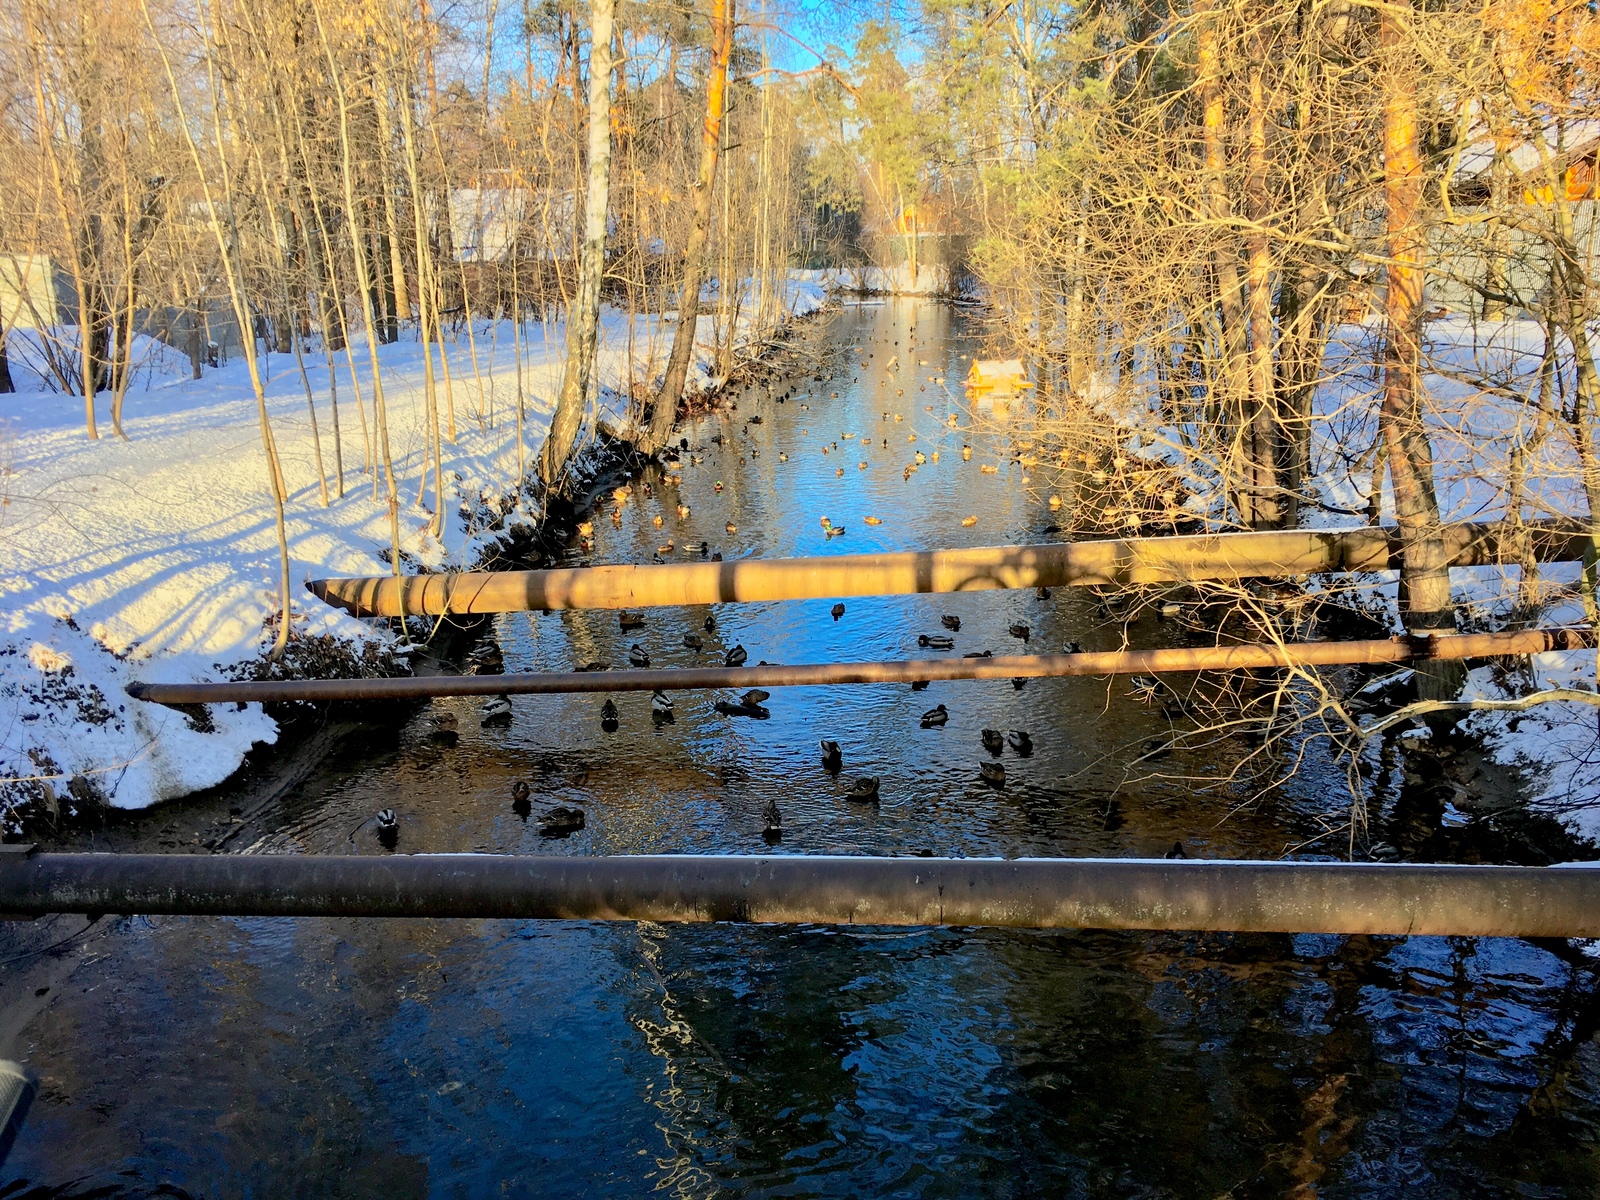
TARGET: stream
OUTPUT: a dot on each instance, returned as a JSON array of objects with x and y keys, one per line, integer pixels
[{"x": 408, "y": 1058}]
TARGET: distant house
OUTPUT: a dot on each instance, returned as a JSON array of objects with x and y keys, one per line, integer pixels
[
  {"x": 35, "y": 293},
  {"x": 486, "y": 222}
]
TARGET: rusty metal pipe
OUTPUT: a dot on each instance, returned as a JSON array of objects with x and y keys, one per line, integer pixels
[
  {"x": 1276, "y": 897},
  {"x": 1113, "y": 562},
  {"x": 1037, "y": 666}
]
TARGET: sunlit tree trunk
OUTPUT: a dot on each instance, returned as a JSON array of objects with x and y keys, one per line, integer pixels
[
  {"x": 666, "y": 410},
  {"x": 583, "y": 317}
]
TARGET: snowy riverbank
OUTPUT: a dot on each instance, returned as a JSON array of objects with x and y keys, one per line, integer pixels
[{"x": 155, "y": 558}]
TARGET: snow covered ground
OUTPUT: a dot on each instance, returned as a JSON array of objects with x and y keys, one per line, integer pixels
[{"x": 155, "y": 558}]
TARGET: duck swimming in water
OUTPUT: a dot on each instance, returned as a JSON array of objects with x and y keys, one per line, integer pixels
[
  {"x": 736, "y": 657},
  {"x": 694, "y": 642},
  {"x": 936, "y": 641},
  {"x": 951, "y": 622},
  {"x": 608, "y": 716},
  {"x": 630, "y": 620},
  {"x": 561, "y": 821},
  {"x": 1021, "y": 742},
  {"x": 495, "y": 711},
  {"x": 388, "y": 828},
  {"x": 993, "y": 741},
  {"x": 772, "y": 829},
  {"x": 832, "y": 757},
  {"x": 520, "y": 804},
  {"x": 1020, "y": 630},
  {"x": 729, "y": 709},
  {"x": 837, "y": 611},
  {"x": 637, "y": 656},
  {"x": 937, "y": 715},
  {"x": 754, "y": 697},
  {"x": 660, "y": 702},
  {"x": 711, "y": 624},
  {"x": 864, "y": 788},
  {"x": 993, "y": 773}
]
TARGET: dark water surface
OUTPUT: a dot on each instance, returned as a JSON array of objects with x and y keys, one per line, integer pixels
[{"x": 261, "y": 1058}]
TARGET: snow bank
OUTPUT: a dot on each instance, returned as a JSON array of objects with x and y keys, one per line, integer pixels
[{"x": 155, "y": 558}]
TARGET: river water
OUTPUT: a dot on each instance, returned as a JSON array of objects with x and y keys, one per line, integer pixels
[{"x": 255, "y": 1057}]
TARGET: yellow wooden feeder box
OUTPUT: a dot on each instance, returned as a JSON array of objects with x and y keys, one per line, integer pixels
[{"x": 993, "y": 377}]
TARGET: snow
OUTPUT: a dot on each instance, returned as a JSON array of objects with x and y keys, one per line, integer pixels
[{"x": 155, "y": 558}]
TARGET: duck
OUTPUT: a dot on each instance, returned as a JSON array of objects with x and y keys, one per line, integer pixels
[
  {"x": 864, "y": 788},
  {"x": 731, "y": 527},
  {"x": 736, "y": 657},
  {"x": 919, "y": 685},
  {"x": 837, "y": 610},
  {"x": 660, "y": 702},
  {"x": 630, "y": 620},
  {"x": 935, "y": 716},
  {"x": 832, "y": 757},
  {"x": 772, "y": 823},
  {"x": 978, "y": 654},
  {"x": 596, "y": 665},
  {"x": 1021, "y": 742},
  {"x": 388, "y": 828},
  {"x": 782, "y": 457},
  {"x": 872, "y": 520},
  {"x": 993, "y": 773},
  {"x": 1072, "y": 647},
  {"x": 520, "y": 804},
  {"x": 683, "y": 512},
  {"x": 608, "y": 716},
  {"x": 755, "y": 697},
  {"x": 561, "y": 821},
  {"x": 495, "y": 711},
  {"x": 966, "y": 454},
  {"x": 1177, "y": 851},
  {"x": 993, "y": 740},
  {"x": 834, "y": 531},
  {"x": 921, "y": 458},
  {"x": 1018, "y": 682},
  {"x": 444, "y": 729},
  {"x": 839, "y": 474},
  {"x": 694, "y": 641},
  {"x": 637, "y": 656},
  {"x": 1147, "y": 688},
  {"x": 936, "y": 641},
  {"x": 730, "y": 709},
  {"x": 951, "y": 622},
  {"x": 968, "y": 522}
]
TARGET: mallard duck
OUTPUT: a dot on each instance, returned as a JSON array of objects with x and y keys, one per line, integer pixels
[
  {"x": 839, "y": 474},
  {"x": 937, "y": 715},
  {"x": 993, "y": 740},
  {"x": 630, "y": 620},
  {"x": 731, "y": 527},
  {"x": 835, "y": 531},
  {"x": 951, "y": 622},
  {"x": 864, "y": 788},
  {"x": 936, "y": 641},
  {"x": 1020, "y": 630},
  {"x": 772, "y": 823},
  {"x": 736, "y": 657},
  {"x": 1072, "y": 647},
  {"x": 872, "y": 520},
  {"x": 660, "y": 702},
  {"x": 837, "y": 610},
  {"x": 637, "y": 656},
  {"x": 978, "y": 654},
  {"x": 561, "y": 821},
  {"x": 1018, "y": 682},
  {"x": 520, "y": 799},
  {"x": 1148, "y": 688},
  {"x": 1043, "y": 593},
  {"x": 969, "y": 521},
  {"x": 782, "y": 457},
  {"x": 729, "y": 708},
  {"x": 919, "y": 685},
  {"x": 694, "y": 642},
  {"x": 1177, "y": 851},
  {"x": 388, "y": 828},
  {"x": 755, "y": 696},
  {"x": 966, "y": 454},
  {"x": 993, "y": 773},
  {"x": 444, "y": 729},
  {"x": 608, "y": 716},
  {"x": 1021, "y": 742},
  {"x": 495, "y": 711},
  {"x": 832, "y": 757}
]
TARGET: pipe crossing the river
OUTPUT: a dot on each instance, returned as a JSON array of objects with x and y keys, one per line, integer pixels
[
  {"x": 1039, "y": 666},
  {"x": 1115, "y": 562},
  {"x": 1042, "y": 893}
]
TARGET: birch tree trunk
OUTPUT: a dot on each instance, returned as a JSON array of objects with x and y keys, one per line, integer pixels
[
  {"x": 666, "y": 411},
  {"x": 583, "y": 317}
]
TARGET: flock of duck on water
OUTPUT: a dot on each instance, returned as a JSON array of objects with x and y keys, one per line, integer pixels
[{"x": 563, "y": 820}]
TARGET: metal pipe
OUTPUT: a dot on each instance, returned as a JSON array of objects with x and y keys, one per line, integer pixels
[
  {"x": 1114, "y": 562},
  {"x": 1279, "y": 897},
  {"x": 1036, "y": 666}
]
